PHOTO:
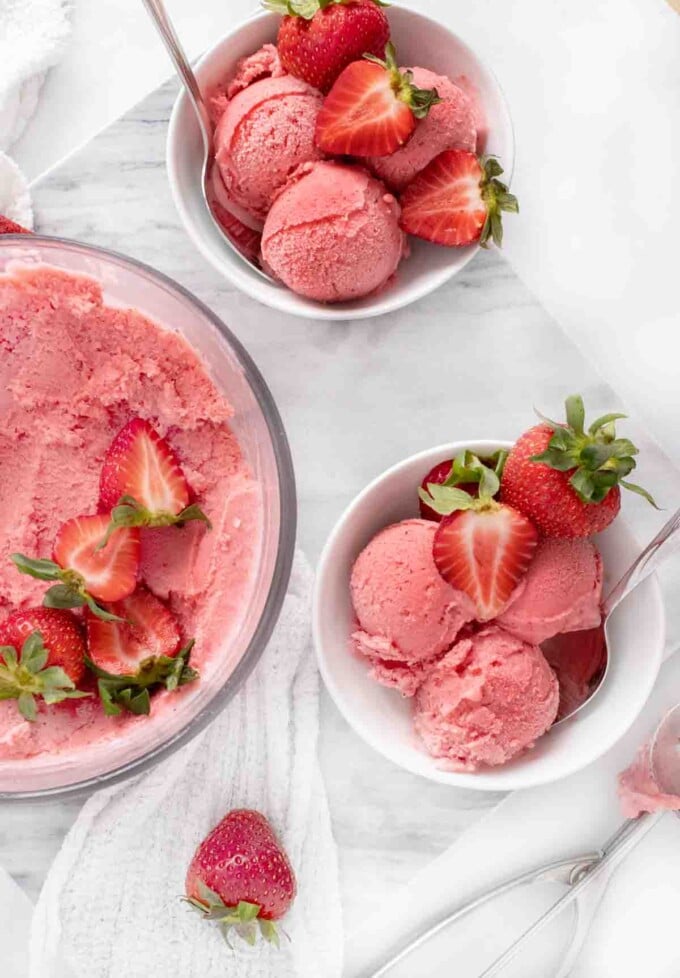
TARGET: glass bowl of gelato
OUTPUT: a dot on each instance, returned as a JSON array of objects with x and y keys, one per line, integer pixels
[
  {"x": 92, "y": 340},
  {"x": 329, "y": 230},
  {"x": 452, "y": 695}
]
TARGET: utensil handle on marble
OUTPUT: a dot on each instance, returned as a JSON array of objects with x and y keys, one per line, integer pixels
[
  {"x": 616, "y": 849},
  {"x": 563, "y": 870},
  {"x": 164, "y": 26},
  {"x": 649, "y": 561}
]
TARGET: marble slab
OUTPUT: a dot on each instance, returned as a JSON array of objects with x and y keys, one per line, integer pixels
[{"x": 469, "y": 361}]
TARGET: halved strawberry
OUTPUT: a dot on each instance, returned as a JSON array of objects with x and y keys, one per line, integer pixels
[
  {"x": 86, "y": 571},
  {"x": 142, "y": 483},
  {"x": 372, "y": 108},
  {"x": 136, "y": 654},
  {"x": 483, "y": 547},
  {"x": 457, "y": 200},
  {"x": 43, "y": 656}
]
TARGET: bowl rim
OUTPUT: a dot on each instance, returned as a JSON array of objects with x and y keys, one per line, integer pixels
[
  {"x": 454, "y": 779},
  {"x": 286, "y": 537},
  {"x": 278, "y": 299}
]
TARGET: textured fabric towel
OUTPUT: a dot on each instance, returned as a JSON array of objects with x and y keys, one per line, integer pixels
[
  {"x": 15, "y": 199},
  {"x": 111, "y": 906},
  {"x": 33, "y": 34}
]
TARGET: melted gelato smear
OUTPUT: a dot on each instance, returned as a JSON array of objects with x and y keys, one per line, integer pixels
[{"x": 73, "y": 372}]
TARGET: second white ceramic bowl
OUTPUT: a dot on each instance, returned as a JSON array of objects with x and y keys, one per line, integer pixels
[
  {"x": 384, "y": 719},
  {"x": 420, "y": 41}
]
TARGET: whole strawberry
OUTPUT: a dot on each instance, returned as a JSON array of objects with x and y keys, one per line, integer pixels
[
  {"x": 241, "y": 878},
  {"x": 319, "y": 38},
  {"x": 567, "y": 480},
  {"x": 42, "y": 655}
]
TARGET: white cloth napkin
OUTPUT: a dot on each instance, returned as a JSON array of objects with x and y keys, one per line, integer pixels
[
  {"x": 33, "y": 34},
  {"x": 15, "y": 198},
  {"x": 110, "y": 905}
]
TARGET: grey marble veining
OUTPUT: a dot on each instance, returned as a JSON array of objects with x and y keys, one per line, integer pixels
[{"x": 469, "y": 361}]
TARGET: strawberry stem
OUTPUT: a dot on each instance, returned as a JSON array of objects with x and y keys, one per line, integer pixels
[
  {"x": 133, "y": 691},
  {"x": 419, "y": 100},
  {"x": 446, "y": 498},
  {"x": 69, "y": 593},
  {"x": 497, "y": 198},
  {"x": 243, "y": 918},
  {"x": 129, "y": 513},
  {"x": 598, "y": 460}
]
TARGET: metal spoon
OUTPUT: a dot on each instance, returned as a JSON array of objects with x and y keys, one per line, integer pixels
[
  {"x": 647, "y": 563},
  {"x": 159, "y": 16},
  {"x": 664, "y": 762}
]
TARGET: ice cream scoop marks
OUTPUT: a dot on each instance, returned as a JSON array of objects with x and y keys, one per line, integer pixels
[{"x": 132, "y": 646}]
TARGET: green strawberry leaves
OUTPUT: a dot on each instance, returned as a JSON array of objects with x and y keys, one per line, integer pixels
[
  {"x": 69, "y": 593},
  {"x": 419, "y": 100},
  {"x": 132, "y": 692},
  {"x": 598, "y": 459},
  {"x": 307, "y": 9},
  {"x": 497, "y": 199},
  {"x": 25, "y": 676},
  {"x": 130, "y": 513},
  {"x": 466, "y": 469},
  {"x": 243, "y": 919}
]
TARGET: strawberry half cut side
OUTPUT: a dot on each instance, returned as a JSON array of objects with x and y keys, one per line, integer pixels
[
  {"x": 137, "y": 653},
  {"x": 142, "y": 482},
  {"x": 84, "y": 572},
  {"x": 483, "y": 547},
  {"x": 42, "y": 655},
  {"x": 457, "y": 200},
  {"x": 372, "y": 109}
]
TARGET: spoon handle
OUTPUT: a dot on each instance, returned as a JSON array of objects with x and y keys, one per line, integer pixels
[
  {"x": 164, "y": 26},
  {"x": 649, "y": 560}
]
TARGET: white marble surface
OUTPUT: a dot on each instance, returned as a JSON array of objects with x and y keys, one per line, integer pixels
[
  {"x": 470, "y": 360},
  {"x": 594, "y": 89}
]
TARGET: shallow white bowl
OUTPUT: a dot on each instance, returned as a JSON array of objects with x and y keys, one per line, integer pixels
[
  {"x": 420, "y": 41},
  {"x": 384, "y": 719}
]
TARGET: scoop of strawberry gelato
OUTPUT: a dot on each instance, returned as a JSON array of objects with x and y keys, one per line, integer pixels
[{"x": 486, "y": 701}]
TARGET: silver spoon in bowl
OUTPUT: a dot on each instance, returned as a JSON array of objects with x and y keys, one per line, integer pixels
[
  {"x": 647, "y": 563},
  {"x": 162, "y": 22}
]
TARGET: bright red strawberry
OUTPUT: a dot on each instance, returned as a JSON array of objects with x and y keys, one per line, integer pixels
[
  {"x": 11, "y": 227},
  {"x": 240, "y": 877},
  {"x": 372, "y": 109},
  {"x": 485, "y": 552},
  {"x": 245, "y": 239},
  {"x": 463, "y": 472},
  {"x": 137, "y": 654},
  {"x": 457, "y": 200},
  {"x": 319, "y": 38},
  {"x": 43, "y": 656},
  {"x": 147, "y": 630},
  {"x": 85, "y": 570},
  {"x": 142, "y": 483},
  {"x": 567, "y": 480}
]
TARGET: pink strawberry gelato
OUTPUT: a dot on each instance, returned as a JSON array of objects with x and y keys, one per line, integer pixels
[
  {"x": 451, "y": 124},
  {"x": 266, "y": 132},
  {"x": 486, "y": 701},
  {"x": 562, "y": 592},
  {"x": 407, "y": 613},
  {"x": 639, "y": 791},
  {"x": 333, "y": 233},
  {"x": 73, "y": 372}
]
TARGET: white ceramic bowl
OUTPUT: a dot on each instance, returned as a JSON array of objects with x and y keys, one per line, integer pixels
[
  {"x": 420, "y": 41},
  {"x": 384, "y": 719}
]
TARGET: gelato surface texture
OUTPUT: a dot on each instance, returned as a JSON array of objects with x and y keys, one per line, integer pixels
[
  {"x": 333, "y": 233},
  {"x": 487, "y": 700},
  {"x": 73, "y": 372},
  {"x": 407, "y": 612},
  {"x": 639, "y": 791},
  {"x": 562, "y": 592},
  {"x": 265, "y": 133},
  {"x": 449, "y": 125}
]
